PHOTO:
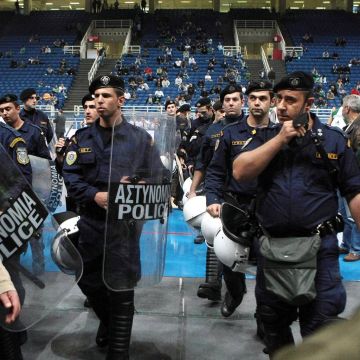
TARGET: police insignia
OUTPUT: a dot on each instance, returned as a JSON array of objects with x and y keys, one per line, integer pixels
[
  {"x": 253, "y": 131},
  {"x": 217, "y": 144},
  {"x": 22, "y": 156},
  {"x": 71, "y": 157},
  {"x": 262, "y": 85},
  {"x": 294, "y": 81},
  {"x": 105, "y": 80}
]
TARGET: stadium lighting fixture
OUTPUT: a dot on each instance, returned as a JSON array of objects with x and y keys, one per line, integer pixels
[
  {"x": 49, "y": 4},
  {"x": 320, "y": 8},
  {"x": 294, "y": 8},
  {"x": 298, "y": 2},
  {"x": 326, "y": 2},
  {"x": 74, "y": 3},
  {"x": 242, "y": 1}
]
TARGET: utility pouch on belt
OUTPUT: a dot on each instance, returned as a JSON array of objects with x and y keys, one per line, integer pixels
[{"x": 290, "y": 267}]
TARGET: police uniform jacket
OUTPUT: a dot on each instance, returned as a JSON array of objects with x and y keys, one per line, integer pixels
[
  {"x": 15, "y": 147},
  {"x": 87, "y": 163},
  {"x": 219, "y": 178},
  {"x": 296, "y": 192},
  {"x": 35, "y": 140},
  {"x": 40, "y": 119},
  {"x": 209, "y": 141}
]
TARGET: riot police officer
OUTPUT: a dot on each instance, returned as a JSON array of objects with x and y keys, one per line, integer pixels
[
  {"x": 220, "y": 185},
  {"x": 32, "y": 134},
  {"x": 86, "y": 172},
  {"x": 34, "y": 116},
  {"x": 15, "y": 147},
  {"x": 299, "y": 163}
]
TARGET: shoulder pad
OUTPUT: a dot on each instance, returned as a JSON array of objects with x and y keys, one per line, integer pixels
[{"x": 338, "y": 130}]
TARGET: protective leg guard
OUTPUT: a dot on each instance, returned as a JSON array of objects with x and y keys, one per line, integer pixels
[
  {"x": 121, "y": 320},
  {"x": 9, "y": 346},
  {"x": 276, "y": 329},
  {"x": 211, "y": 289}
]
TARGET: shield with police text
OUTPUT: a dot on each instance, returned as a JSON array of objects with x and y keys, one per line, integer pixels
[
  {"x": 139, "y": 193},
  {"x": 42, "y": 262},
  {"x": 47, "y": 183}
]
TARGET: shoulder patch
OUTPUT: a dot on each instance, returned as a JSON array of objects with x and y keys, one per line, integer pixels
[
  {"x": 22, "y": 156},
  {"x": 15, "y": 141},
  {"x": 338, "y": 130},
  {"x": 71, "y": 157}
]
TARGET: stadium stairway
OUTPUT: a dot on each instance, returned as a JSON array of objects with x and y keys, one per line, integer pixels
[
  {"x": 254, "y": 67},
  {"x": 80, "y": 85}
]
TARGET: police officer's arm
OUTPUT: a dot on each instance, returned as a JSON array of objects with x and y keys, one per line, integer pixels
[
  {"x": 8, "y": 295},
  {"x": 215, "y": 178},
  {"x": 196, "y": 181},
  {"x": 18, "y": 153},
  {"x": 354, "y": 206},
  {"x": 249, "y": 164}
]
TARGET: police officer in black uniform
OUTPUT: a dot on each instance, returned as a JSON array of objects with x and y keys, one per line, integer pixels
[
  {"x": 86, "y": 171},
  {"x": 300, "y": 164},
  {"x": 32, "y": 134},
  {"x": 15, "y": 146},
  {"x": 220, "y": 184},
  {"x": 34, "y": 116},
  {"x": 35, "y": 145}
]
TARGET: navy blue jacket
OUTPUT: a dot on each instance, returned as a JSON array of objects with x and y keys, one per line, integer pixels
[
  {"x": 35, "y": 140},
  {"x": 15, "y": 146},
  {"x": 296, "y": 192},
  {"x": 40, "y": 119},
  {"x": 87, "y": 163},
  {"x": 219, "y": 178}
]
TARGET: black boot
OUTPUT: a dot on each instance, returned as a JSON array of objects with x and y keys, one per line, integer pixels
[
  {"x": 211, "y": 289},
  {"x": 229, "y": 305},
  {"x": 121, "y": 320},
  {"x": 9, "y": 345},
  {"x": 100, "y": 304},
  {"x": 102, "y": 336}
]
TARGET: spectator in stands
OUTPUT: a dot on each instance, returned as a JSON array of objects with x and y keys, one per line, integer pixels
[
  {"x": 178, "y": 80},
  {"x": 33, "y": 60},
  {"x": 116, "y": 5},
  {"x": 330, "y": 95},
  {"x": 177, "y": 64},
  {"x": 165, "y": 82},
  {"x": 325, "y": 55},
  {"x": 127, "y": 94},
  {"x": 271, "y": 75},
  {"x": 150, "y": 99},
  {"x": 220, "y": 46},
  {"x": 22, "y": 50},
  {"x": 71, "y": 71},
  {"x": 158, "y": 95},
  {"x": 208, "y": 76}
]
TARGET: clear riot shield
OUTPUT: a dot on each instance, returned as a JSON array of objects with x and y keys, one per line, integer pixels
[
  {"x": 42, "y": 262},
  {"x": 138, "y": 201},
  {"x": 47, "y": 183}
]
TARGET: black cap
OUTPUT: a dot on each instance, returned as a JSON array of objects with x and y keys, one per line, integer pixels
[
  {"x": 298, "y": 80},
  {"x": 229, "y": 90},
  {"x": 184, "y": 108},
  {"x": 87, "y": 97},
  {"x": 169, "y": 102},
  {"x": 217, "y": 105},
  {"x": 8, "y": 98},
  {"x": 107, "y": 81},
  {"x": 258, "y": 86},
  {"x": 205, "y": 101},
  {"x": 27, "y": 93}
]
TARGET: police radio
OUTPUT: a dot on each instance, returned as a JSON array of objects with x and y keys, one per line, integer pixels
[{"x": 301, "y": 120}]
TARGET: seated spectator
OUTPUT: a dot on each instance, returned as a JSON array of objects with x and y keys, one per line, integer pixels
[
  {"x": 208, "y": 76},
  {"x": 127, "y": 94},
  {"x": 165, "y": 82},
  {"x": 49, "y": 70},
  {"x": 71, "y": 71},
  {"x": 220, "y": 46},
  {"x": 325, "y": 55},
  {"x": 178, "y": 80},
  {"x": 158, "y": 95},
  {"x": 177, "y": 63},
  {"x": 22, "y": 50},
  {"x": 150, "y": 99},
  {"x": 57, "y": 43},
  {"x": 330, "y": 95},
  {"x": 192, "y": 60}
]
